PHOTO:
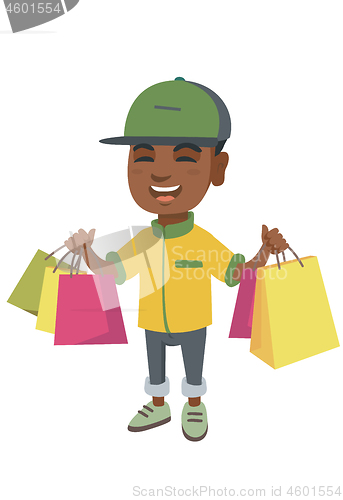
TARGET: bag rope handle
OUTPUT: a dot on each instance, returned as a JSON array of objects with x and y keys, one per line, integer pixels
[
  {"x": 295, "y": 255},
  {"x": 78, "y": 262},
  {"x": 60, "y": 261},
  {"x": 52, "y": 253},
  {"x": 72, "y": 262},
  {"x": 277, "y": 257}
]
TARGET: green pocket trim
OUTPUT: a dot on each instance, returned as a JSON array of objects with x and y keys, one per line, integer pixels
[{"x": 188, "y": 264}]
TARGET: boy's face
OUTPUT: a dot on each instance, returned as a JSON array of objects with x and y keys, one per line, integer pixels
[{"x": 173, "y": 179}]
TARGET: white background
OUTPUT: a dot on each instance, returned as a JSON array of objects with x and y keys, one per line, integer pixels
[{"x": 67, "y": 84}]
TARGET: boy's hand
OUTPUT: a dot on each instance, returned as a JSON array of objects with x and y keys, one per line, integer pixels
[
  {"x": 79, "y": 239},
  {"x": 274, "y": 241}
]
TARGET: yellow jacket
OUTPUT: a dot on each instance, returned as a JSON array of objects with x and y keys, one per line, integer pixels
[{"x": 175, "y": 264}]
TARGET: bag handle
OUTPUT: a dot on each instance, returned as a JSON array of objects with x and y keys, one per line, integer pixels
[
  {"x": 52, "y": 253},
  {"x": 61, "y": 260},
  {"x": 295, "y": 255},
  {"x": 79, "y": 261},
  {"x": 64, "y": 256},
  {"x": 277, "y": 257},
  {"x": 77, "y": 266},
  {"x": 72, "y": 262},
  {"x": 284, "y": 258}
]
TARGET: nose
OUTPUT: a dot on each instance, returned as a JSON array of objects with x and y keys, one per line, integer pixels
[{"x": 160, "y": 179}]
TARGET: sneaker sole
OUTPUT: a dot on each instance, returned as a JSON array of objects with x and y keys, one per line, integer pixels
[
  {"x": 150, "y": 426},
  {"x": 190, "y": 438}
]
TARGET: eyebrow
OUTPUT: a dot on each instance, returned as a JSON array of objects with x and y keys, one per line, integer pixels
[
  {"x": 188, "y": 145},
  {"x": 143, "y": 146}
]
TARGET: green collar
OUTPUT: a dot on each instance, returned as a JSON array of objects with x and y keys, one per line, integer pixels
[{"x": 173, "y": 230}]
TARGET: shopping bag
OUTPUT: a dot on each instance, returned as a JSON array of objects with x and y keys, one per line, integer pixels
[
  {"x": 292, "y": 318},
  {"x": 251, "y": 314},
  {"x": 80, "y": 316},
  {"x": 26, "y": 294},
  {"x": 107, "y": 291},
  {"x": 46, "y": 318},
  {"x": 242, "y": 316}
]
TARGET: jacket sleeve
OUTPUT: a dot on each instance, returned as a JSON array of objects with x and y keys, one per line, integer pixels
[
  {"x": 222, "y": 262},
  {"x": 131, "y": 259}
]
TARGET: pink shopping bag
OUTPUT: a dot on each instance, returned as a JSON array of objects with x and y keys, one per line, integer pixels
[
  {"x": 107, "y": 291},
  {"x": 243, "y": 313},
  {"x": 83, "y": 312}
]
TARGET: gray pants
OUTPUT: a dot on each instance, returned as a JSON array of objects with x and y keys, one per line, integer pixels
[{"x": 193, "y": 347}]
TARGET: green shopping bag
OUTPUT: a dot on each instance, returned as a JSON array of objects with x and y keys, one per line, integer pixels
[{"x": 26, "y": 294}]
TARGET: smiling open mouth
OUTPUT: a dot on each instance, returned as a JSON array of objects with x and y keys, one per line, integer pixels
[{"x": 165, "y": 193}]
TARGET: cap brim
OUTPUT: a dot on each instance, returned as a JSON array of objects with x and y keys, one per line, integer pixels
[{"x": 206, "y": 142}]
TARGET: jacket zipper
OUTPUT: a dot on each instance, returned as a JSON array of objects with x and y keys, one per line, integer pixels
[{"x": 163, "y": 288}]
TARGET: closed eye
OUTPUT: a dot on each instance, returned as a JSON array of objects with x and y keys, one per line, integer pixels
[
  {"x": 143, "y": 158},
  {"x": 186, "y": 158}
]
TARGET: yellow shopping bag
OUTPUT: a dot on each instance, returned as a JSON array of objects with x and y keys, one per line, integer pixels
[
  {"x": 292, "y": 318},
  {"x": 46, "y": 319}
]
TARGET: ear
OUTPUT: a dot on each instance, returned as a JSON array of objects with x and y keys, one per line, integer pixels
[{"x": 219, "y": 164}]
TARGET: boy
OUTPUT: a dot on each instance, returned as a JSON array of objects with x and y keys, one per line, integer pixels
[{"x": 176, "y": 131}]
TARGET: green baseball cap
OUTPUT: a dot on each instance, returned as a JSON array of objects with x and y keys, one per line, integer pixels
[{"x": 176, "y": 111}]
